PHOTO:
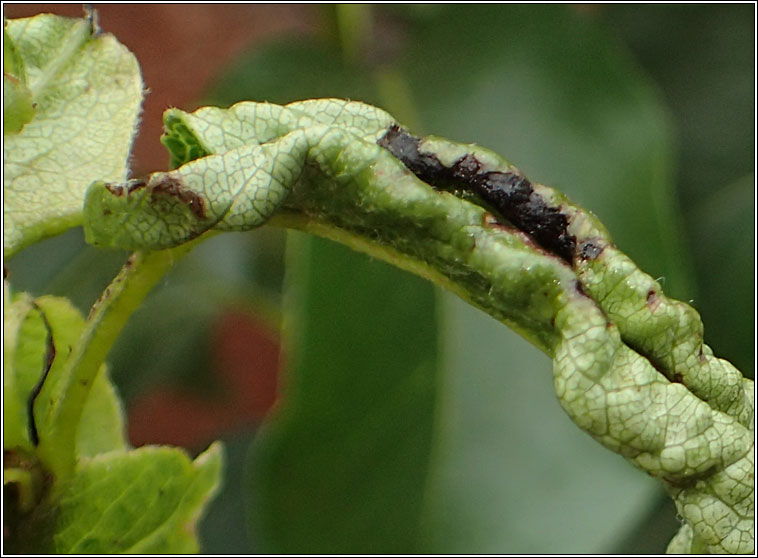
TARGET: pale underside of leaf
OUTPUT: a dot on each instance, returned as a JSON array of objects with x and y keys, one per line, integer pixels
[{"x": 87, "y": 91}]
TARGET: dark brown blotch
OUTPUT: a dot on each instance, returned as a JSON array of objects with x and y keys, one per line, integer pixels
[
  {"x": 580, "y": 289},
  {"x": 131, "y": 186},
  {"x": 405, "y": 147},
  {"x": 513, "y": 196},
  {"x": 48, "y": 364},
  {"x": 167, "y": 185},
  {"x": 172, "y": 186},
  {"x": 509, "y": 193},
  {"x": 590, "y": 250},
  {"x": 115, "y": 189},
  {"x": 135, "y": 185}
]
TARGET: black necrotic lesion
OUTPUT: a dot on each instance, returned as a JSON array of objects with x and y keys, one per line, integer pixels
[
  {"x": 508, "y": 193},
  {"x": 47, "y": 365}
]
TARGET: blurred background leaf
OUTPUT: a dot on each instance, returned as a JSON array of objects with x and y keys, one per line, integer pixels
[
  {"x": 341, "y": 467},
  {"x": 643, "y": 114},
  {"x": 702, "y": 60}
]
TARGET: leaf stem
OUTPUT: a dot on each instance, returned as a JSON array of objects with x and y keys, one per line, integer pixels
[{"x": 57, "y": 447}]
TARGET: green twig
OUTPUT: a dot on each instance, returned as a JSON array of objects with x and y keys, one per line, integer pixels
[{"x": 57, "y": 446}]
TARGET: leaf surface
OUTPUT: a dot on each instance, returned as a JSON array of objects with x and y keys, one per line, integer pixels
[
  {"x": 37, "y": 347},
  {"x": 353, "y": 437},
  {"x": 86, "y": 89},
  {"x": 142, "y": 502}
]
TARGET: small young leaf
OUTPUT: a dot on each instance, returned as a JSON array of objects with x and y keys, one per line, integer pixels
[
  {"x": 102, "y": 427},
  {"x": 23, "y": 355},
  {"x": 39, "y": 333},
  {"x": 18, "y": 108},
  {"x": 13, "y": 64}
]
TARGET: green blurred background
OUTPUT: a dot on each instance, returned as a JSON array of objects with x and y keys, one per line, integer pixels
[{"x": 406, "y": 421}]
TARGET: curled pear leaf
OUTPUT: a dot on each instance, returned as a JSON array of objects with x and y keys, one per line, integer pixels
[{"x": 629, "y": 364}]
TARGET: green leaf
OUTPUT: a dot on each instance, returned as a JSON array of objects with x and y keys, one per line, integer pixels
[
  {"x": 13, "y": 64},
  {"x": 102, "y": 427},
  {"x": 87, "y": 91},
  {"x": 24, "y": 357},
  {"x": 18, "y": 108},
  {"x": 38, "y": 330},
  {"x": 342, "y": 466},
  {"x": 723, "y": 229},
  {"x": 144, "y": 501},
  {"x": 38, "y": 336},
  {"x": 178, "y": 532},
  {"x": 99, "y": 507}
]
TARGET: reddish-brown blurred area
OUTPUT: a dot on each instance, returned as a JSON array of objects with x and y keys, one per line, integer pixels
[
  {"x": 245, "y": 359},
  {"x": 181, "y": 50}
]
